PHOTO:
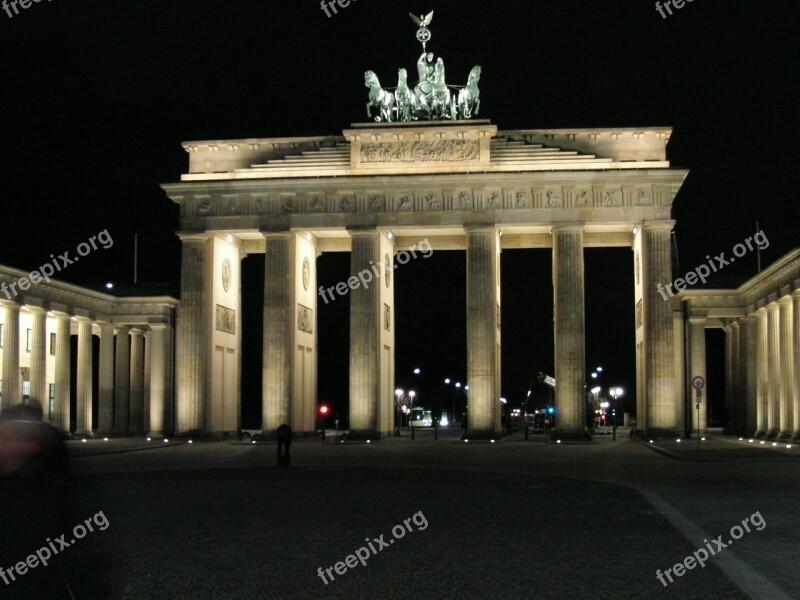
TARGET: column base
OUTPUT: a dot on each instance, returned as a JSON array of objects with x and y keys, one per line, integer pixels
[
  {"x": 570, "y": 435},
  {"x": 772, "y": 434},
  {"x": 760, "y": 434},
  {"x": 656, "y": 434},
  {"x": 784, "y": 436},
  {"x": 795, "y": 436},
  {"x": 363, "y": 435},
  {"x": 482, "y": 435}
]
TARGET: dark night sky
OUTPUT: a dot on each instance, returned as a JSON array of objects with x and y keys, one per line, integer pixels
[{"x": 98, "y": 96}]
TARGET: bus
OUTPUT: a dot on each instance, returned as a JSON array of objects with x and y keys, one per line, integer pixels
[{"x": 420, "y": 417}]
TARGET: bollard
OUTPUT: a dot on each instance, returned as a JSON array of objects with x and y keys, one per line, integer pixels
[
  {"x": 436, "y": 430},
  {"x": 412, "y": 432},
  {"x": 284, "y": 436},
  {"x": 526, "y": 431}
]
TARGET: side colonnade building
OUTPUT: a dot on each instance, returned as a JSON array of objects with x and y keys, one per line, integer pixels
[
  {"x": 127, "y": 390},
  {"x": 381, "y": 188},
  {"x": 761, "y": 321}
]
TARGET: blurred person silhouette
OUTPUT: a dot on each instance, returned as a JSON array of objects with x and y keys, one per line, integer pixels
[
  {"x": 35, "y": 501},
  {"x": 284, "y": 436}
]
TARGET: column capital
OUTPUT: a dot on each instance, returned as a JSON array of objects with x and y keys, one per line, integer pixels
[
  {"x": 481, "y": 228},
  {"x": 698, "y": 320},
  {"x": 306, "y": 235},
  {"x": 365, "y": 231},
  {"x": 277, "y": 235},
  {"x": 568, "y": 227},
  {"x": 784, "y": 301},
  {"x": 193, "y": 237},
  {"x": 10, "y": 304},
  {"x": 121, "y": 329},
  {"x": 772, "y": 306},
  {"x": 34, "y": 309},
  {"x": 658, "y": 225}
]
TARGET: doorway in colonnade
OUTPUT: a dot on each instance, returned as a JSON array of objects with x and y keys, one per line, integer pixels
[
  {"x": 333, "y": 341},
  {"x": 252, "y": 275},
  {"x": 526, "y": 299},
  {"x": 431, "y": 335},
  {"x": 611, "y": 323},
  {"x": 73, "y": 382}
]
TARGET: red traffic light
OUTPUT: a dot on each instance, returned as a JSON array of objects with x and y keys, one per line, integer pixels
[{"x": 323, "y": 409}]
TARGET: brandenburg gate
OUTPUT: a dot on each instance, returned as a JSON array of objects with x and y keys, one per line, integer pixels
[{"x": 382, "y": 187}]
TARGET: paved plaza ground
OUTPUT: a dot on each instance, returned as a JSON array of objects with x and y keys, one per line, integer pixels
[{"x": 513, "y": 519}]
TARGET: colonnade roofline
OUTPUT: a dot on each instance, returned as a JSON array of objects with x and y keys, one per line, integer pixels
[
  {"x": 533, "y": 235},
  {"x": 65, "y": 299},
  {"x": 471, "y": 146},
  {"x": 781, "y": 278}
]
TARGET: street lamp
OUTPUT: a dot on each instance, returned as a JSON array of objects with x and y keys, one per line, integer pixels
[
  {"x": 398, "y": 396},
  {"x": 324, "y": 409},
  {"x": 615, "y": 392}
]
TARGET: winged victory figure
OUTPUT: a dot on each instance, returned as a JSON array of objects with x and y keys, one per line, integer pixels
[{"x": 422, "y": 20}]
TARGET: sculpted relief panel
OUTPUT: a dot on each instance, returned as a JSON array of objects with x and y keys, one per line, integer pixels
[
  {"x": 421, "y": 151},
  {"x": 319, "y": 201}
]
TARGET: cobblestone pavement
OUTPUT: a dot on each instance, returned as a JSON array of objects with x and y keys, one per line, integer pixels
[{"x": 514, "y": 519}]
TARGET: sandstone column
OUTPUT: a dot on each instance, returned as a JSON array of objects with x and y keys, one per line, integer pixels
[
  {"x": 192, "y": 335},
  {"x": 788, "y": 392},
  {"x": 12, "y": 387},
  {"x": 105, "y": 401},
  {"x": 364, "y": 346},
  {"x": 39, "y": 356},
  {"x": 122, "y": 383},
  {"x": 796, "y": 365},
  {"x": 733, "y": 379},
  {"x": 483, "y": 333},
  {"x": 659, "y": 340},
  {"x": 148, "y": 359},
  {"x": 774, "y": 370},
  {"x": 137, "y": 382},
  {"x": 276, "y": 373},
  {"x": 570, "y": 342},
  {"x": 748, "y": 360},
  {"x": 763, "y": 375},
  {"x": 158, "y": 378},
  {"x": 63, "y": 373},
  {"x": 697, "y": 353},
  {"x": 83, "y": 391}
]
